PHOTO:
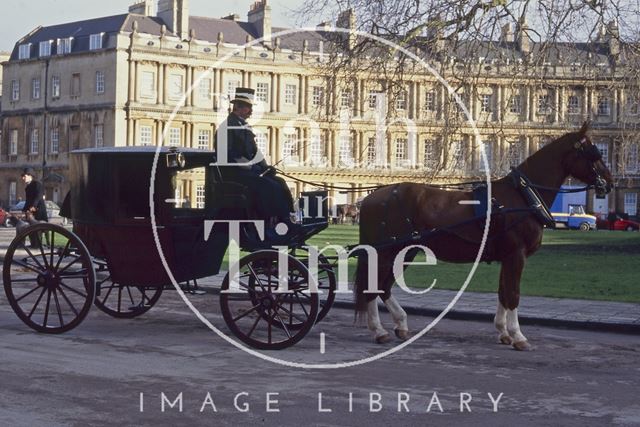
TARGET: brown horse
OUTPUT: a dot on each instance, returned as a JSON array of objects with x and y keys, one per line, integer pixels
[
  {"x": 347, "y": 211},
  {"x": 394, "y": 212}
]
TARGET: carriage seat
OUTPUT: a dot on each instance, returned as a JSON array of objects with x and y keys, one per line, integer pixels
[{"x": 231, "y": 195}]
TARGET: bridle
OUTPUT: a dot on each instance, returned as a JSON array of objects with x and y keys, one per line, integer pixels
[{"x": 593, "y": 155}]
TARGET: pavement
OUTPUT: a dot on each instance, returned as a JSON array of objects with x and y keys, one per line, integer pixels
[{"x": 555, "y": 312}]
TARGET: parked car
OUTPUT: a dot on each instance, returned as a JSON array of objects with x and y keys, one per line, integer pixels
[
  {"x": 4, "y": 215},
  {"x": 619, "y": 224},
  {"x": 575, "y": 219},
  {"x": 53, "y": 212}
]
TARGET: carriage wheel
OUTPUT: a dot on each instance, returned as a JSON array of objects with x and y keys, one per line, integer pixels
[
  {"x": 125, "y": 301},
  {"x": 49, "y": 278},
  {"x": 257, "y": 314},
  {"x": 326, "y": 280}
]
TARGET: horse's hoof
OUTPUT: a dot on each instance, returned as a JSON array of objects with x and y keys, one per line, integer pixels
[
  {"x": 383, "y": 339},
  {"x": 402, "y": 334},
  {"x": 522, "y": 346},
  {"x": 506, "y": 340}
]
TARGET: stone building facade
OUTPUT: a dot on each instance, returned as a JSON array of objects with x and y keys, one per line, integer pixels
[{"x": 123, "y": 81}]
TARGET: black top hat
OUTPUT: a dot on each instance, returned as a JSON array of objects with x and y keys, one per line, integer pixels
[
  {"x": 244, "y": 94},
  {"x": 28, "y": 171}
]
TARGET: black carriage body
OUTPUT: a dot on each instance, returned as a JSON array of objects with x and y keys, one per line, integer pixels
[{"x": 111, "y": 212}]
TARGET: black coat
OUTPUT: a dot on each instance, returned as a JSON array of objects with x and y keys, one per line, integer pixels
[
  {"x": 34, "y": 197},
  {"x": 269, "y": 192},
  {"x": 241, "y": 143}
]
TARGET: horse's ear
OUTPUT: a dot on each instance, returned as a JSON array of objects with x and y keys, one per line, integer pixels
[{"x": 585, "y": 127}]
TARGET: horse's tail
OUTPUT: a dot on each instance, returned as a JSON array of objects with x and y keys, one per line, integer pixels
[{"x": 360, "y": 286}]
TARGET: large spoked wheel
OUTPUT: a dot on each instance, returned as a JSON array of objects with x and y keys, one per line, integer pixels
[
  {"x": 257, "y": 313},
  {"x": 49, "y": 278},
  {"x": 124, "y": 301},
  {"x": 326, "y": 280}
]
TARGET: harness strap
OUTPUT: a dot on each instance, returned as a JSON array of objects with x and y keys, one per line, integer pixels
[{"x": 532, "y": 197}]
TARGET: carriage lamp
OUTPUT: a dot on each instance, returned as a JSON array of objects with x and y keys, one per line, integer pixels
[{"x": 175, "y": 159}]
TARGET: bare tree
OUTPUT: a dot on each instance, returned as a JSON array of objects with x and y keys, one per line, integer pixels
[{"x": 547, "y": 64}]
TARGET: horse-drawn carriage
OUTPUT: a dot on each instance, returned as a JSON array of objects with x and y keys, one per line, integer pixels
[
  {"x": 117, "y": 254},
  {"x": 127, "y": 248}
]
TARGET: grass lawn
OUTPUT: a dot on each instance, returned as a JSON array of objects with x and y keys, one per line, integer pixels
[{"x": 598, "y": 265}]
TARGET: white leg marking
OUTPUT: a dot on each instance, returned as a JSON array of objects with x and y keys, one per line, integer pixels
[
  {"x": 514, "y": 327},
  {"x": 500, "y": 322},
  {"x": 373, "y": 319},
  {"x": 398, "y": 314}
]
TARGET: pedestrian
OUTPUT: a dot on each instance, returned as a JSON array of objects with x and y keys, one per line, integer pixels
[
  {"x": 35, "y": 208},
  {"x": 270, "y": 193},
  {"x": 611, "y": 219}
]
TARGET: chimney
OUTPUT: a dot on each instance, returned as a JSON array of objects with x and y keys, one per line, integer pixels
[
  {"x": 347, "y": 20},
  {"x": 435, "y": 35},
  {"x": 260, "y": 16},
  {"x": 144, "y": 7},
  {"x": 613, "y": 38},
  {"x": 175, "y": 13},
  {"x": 506, "y": 33},
  {"x": 524, "y": 42}
]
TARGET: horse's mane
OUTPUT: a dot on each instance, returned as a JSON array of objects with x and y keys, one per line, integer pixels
[{"x": 556, "y": 146}]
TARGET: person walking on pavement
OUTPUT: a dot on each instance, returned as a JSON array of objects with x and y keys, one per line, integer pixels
[{"x": 35, "y": 209}]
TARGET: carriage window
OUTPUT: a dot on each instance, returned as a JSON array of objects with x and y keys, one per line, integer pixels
[{"x": 188, "y": 191}]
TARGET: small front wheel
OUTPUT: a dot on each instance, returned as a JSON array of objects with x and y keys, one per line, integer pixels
[
  {"x": 584, "y": 227},
  {"x": 265, "y": 307},
  {"x": 49, "y": 278}
]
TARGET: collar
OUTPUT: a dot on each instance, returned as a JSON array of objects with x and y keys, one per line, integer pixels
[{"x": 540, "y": 209}]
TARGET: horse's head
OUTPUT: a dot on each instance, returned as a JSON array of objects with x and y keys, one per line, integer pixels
[{"x": 584, "y": 162}]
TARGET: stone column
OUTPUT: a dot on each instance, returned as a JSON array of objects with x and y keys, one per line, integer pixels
[
  {"x": 187, "y": 134},
  {"x": 160, "y": 124},
  {"x": 556, "y": 104},
  {"x": 187, "y": 87},
  {"x": 331, "y": 148},
  {"x": 133, "y": 75},
  {"x": 220, "y": 88},
  {"x": 360, "y": 151},
  {"x": 561, "y": 107},
  {"x": 272, "y": 97},
  {"x": 531, "y": 103},
  {"x": 390, "y": 151},
  {"x": 614, "y": 107},
  {"x": 306, "y": 96},
  {"x": 130, "y": 133},
  {"x": 419, "y": 150},
  {"x": 272, "y": 144},
  {"x": 278, "y": 93},
  {"x": 499, "y": 103},
  {"x": 306, "y": 147},
  {"x": 277, "y": 155},
  {"x": 362, "y": 97},
  {"x": 418, "y": 100},
  {"x": 586, "y": 104},
  {"x": 160, "y": 83},
  {"x": 441, "y": 104},
  {"x": 301, "y": 94},
  {"x": 165, "y": 97},
  {"x": 333, "y": 95},
  {"x": 216, "y": 88}
]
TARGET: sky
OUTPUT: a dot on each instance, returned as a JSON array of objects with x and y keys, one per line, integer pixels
[{"x": 19, "y": 17}]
